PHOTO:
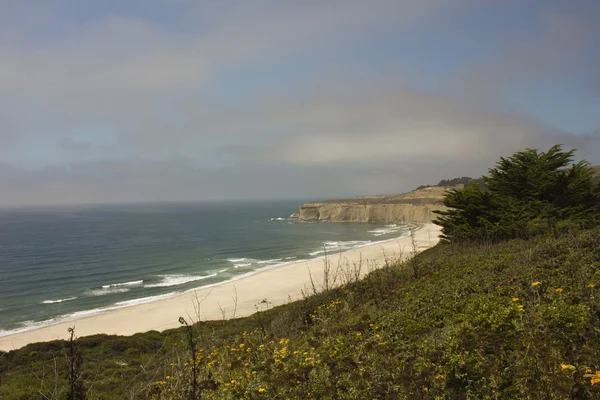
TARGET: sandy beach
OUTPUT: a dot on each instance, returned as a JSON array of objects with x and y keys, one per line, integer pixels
[{"x": 277, "y": 286}]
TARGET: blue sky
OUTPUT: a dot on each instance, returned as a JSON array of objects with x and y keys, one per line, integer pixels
[{"x": 149, "y": 100}]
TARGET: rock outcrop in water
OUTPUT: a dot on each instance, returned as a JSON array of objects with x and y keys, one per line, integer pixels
[{"x": 416, "y": 206}]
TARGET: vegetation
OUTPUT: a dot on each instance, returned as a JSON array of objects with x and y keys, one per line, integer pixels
[
  {"x": 526, "y": 194},
  {"x": 112, "y": 367},
  {"x": 518, "y": 318},
  {"x": 465, "y": 180}
]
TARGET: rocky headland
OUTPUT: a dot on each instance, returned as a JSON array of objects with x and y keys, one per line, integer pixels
[{"x": 417, "y": 206}]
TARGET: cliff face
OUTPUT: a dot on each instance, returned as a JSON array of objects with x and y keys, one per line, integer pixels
[{"x": 416, "y": 206}]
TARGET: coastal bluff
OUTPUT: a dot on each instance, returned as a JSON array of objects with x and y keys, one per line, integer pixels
[{"x": 417, "y": 206}]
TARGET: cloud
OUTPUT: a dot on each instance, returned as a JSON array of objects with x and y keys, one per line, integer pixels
[
  {"x": 124, "y": 71},
  {"x": 375, "y": 124},
  {"x": 70, "y": 144},
  {"x": 563, "y": 42},
  {"x": 160, "y": 100}
]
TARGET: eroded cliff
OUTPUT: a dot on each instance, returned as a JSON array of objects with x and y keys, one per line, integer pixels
[{"x": 416, "y": 206}]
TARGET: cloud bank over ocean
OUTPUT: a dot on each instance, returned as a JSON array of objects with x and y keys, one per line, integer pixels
[{"x": 163, "y": 101}]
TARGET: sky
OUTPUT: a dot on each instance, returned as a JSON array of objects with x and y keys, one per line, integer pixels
[{"x": 180, "y": 100}]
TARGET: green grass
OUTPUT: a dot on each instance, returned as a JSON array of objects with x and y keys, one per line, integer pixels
[{"x": 474, "y": 324}]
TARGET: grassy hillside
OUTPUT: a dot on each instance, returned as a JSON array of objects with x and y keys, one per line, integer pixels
[{"x": 518, "y": 319}]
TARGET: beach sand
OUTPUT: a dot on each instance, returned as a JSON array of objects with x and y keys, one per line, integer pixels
[{"x": 277, "y": 286}]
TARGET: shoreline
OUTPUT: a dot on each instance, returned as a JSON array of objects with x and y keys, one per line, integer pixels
[{"x": 278, "y": 285}]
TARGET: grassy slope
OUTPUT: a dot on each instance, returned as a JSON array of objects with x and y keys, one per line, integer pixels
[{"x": 470, "y": 326}]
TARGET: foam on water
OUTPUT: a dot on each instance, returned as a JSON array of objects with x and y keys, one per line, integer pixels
[
  {"x": 143, "y": 300},
  {"x": 177, "y": 279},
  {"x": 236, "y": 260},
  {"x": 59, "y": 300},
  {"x": 334, "y": 247},
  {"x": 386, "y": 230},
  {"x": 132, "y": 283},
  {"x": 103, "y": 291},
  {"x": 274, "y": 260}
]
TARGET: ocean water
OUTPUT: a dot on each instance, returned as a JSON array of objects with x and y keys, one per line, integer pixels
[{"x": 62, "y": 263}]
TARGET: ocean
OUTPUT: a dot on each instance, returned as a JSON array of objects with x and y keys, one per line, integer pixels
[{"x": 62, "y": 263}]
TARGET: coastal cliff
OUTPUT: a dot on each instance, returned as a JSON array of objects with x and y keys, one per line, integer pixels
[{"x": 416, "y": 206}]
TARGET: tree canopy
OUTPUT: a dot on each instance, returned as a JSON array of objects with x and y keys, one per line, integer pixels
[{"x": 523, "y": 195}]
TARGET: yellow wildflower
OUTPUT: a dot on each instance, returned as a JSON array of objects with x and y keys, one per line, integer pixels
[
  {"x": 536, "y": 283},
  {"x": 515, "y": 299},
  {"x": 591, "y": 285},
  {"x": 284, "y": 341},
  {"x": 521, "y": 308},
  {"x": 566, "y": 366},
  {"x": 296, "y": 352},
  {"x": 242, "y": 345},
  {"x": 233, "y": 381},
  {"x": 595, "y": 378},
  {"x": 558, "y": 290},
  {"x": 172, "y": 364},
  {"x": 167, "y": 377},
  {"x": 261, "y": 390},
  {"x": 358, "y": 334},
  {"x": 588, "y": 370}
]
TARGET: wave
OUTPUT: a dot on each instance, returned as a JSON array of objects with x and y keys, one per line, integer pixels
[
  {"x": 58, "y": 301},
  {"x": 132, "y": 283},
  {"x": 175, "y": 280},
  {"x": 236, "y": 260},
  {"x": 106, "y": 290},
  {"x": 242, "y": 265},
  {"x": 274, "y": 260},
  {"x": 143, "y": 300},
  {"x": 392, "y": 228},
  {"x": 335, "y": 247}
]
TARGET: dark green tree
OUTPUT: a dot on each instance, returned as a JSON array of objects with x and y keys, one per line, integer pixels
[{"x": 524, "y": 195}]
